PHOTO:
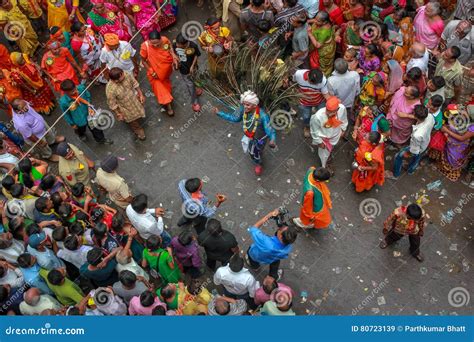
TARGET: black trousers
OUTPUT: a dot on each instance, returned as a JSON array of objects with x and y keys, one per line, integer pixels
[
  {"x": 193, "y": 272},
  {"x": 249, "y": 300},
  {"x": 415, "y": 241},
  {"x": 212, "y": 263},
  {"x": 198, "y": 222},
  {"x": 96, "y": 133},
  {"x": 274, "y": 266}
]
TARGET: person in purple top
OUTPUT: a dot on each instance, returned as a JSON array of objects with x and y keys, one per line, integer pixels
[
  {"x": 186, "y": 252},
  {"x": 34, "y": 129}
]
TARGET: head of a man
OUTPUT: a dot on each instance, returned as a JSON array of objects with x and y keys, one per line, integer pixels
[
  {"x": 420, "y": 112},
  {"x": 128, "y": 279},
  {"x": 55, "y": 48},
  {"x": 414, "y": 211},
  {"x": 56, "y": 277},
  {"x": 26, "y": 260},
  {"x": 269, "y": 284},
  {"x": 463, "y": 28},
  {"x": 236, "y": 263},
  {"x": 451, "y": 54},
  {"x": 315, "y": 76},
  {"x": 193, "y": 185},
  {"x": 32, "y": 296},
  {"x": 341, "y": 66},
  {"x": 213, "y": 25},
  {"x": 287, "y": 235},
  {"x": 436, "y": 83},
  {"x": 20, "y": 106},
  {"x": 95, "y": 256},
  {"x": 434, "y": 103},
  {"x": 147, "y": 298},
  {"x": 64, "y": 150},
  {"x": 214, "y": 227},
  {"x": 222, "y": 306},
  {"x": 257, "y": 3},
  {"x": 418, "y": 50},
  {"x": 69, "y": 88},
  {"x": 140, "y": 203},
  {"x": 374, "y": 137},
  {"x": 332, "y": 106},
  {"x": 112, "y": 41}
]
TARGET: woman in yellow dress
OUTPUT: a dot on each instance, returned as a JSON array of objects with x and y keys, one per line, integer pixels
[
  {"x": 62, "y": 13},
  {"x": 17, "y": 27}
]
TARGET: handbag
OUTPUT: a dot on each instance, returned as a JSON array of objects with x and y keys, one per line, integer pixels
[
  {"x": 166, "y": 20},
  {"x": 438, "y": 141}
]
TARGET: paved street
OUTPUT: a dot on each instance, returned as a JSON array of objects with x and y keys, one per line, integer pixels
[{"x": 342, "y": 269}]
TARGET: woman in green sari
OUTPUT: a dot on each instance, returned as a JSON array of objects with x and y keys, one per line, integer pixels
[
  {"x": 160, "y": 260},
  {"x": 323, "y": 38}
]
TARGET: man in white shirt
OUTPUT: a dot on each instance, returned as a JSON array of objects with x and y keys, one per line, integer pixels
[
  {"x": 238, "y": 282},
  {"x": 119, "y": 54},
  {"x": 345, "y": 85},
  {"x": 420, "y": 139},
  {"x": 38, "y": 246},
  {"x": 74, "y": 251},
  {"x": 34, "y": 303},
  {"x": 10, "y": 275},
  {"x": 420, "y": 57},
  {"x": 327, "y": 126},
  {"x": 147, "y": 221},
  {"x": 10, "y": 249}
]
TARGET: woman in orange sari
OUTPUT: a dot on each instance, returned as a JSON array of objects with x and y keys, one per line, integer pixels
[
  {"x": 34, "y": 89},
  {"x": 59, "y": 64},
  {"x": 159, "y": 59},
  {"x": 316, "y": 201},
  {"x": 369, "y": 163},
  {"x": 8, "y": 91}
]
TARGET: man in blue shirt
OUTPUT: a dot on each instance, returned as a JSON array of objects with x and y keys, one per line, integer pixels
[
  {"x": 269, "y": 250},
  {"x": 30, "y": 270}
]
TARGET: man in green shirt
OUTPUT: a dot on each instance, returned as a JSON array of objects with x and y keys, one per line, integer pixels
[{"x": 66, "y": 291}]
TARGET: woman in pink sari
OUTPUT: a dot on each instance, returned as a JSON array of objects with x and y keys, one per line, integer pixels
[
  {"x": 428, "y": 24},
  {"x": 107, "y": 18},
  {"x": 142, "y": 13},
  {"x": 401, "y": 116}
]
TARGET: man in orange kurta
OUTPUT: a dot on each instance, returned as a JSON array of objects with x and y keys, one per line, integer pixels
[
  {"x": 159, "y": 58},
  {"x": 315, "y": 212},
  {"x": 370, "y": 163}
]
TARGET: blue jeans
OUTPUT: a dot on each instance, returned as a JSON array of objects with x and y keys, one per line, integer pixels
[
  {"x": 307, "y": 111},
  {"x": 412, "y": 165},
  {"x": 165, "y": 239}
]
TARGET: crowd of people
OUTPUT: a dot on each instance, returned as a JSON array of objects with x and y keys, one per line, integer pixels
[{"x": 389, "y": 75}]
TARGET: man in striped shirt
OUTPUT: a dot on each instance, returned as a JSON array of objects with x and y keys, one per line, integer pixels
[
  {"x": 313, "y": 85},
  {"x": 196, "y": 206}
]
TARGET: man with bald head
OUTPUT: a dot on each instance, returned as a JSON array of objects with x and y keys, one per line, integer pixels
[
  {"x": 419, "y": 57},
  {"x": 34, "y": 303},
  {"x": 458, "y": 33}
]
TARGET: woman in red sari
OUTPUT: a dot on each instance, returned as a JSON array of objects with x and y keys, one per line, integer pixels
[
  {"x": 370, "y": 163},
  {"x": 335, "y": 13},
  {"x": 34, "y": 89},
  {"x": 159, "y": 59},
  {"x": 8, "y": 91}
]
